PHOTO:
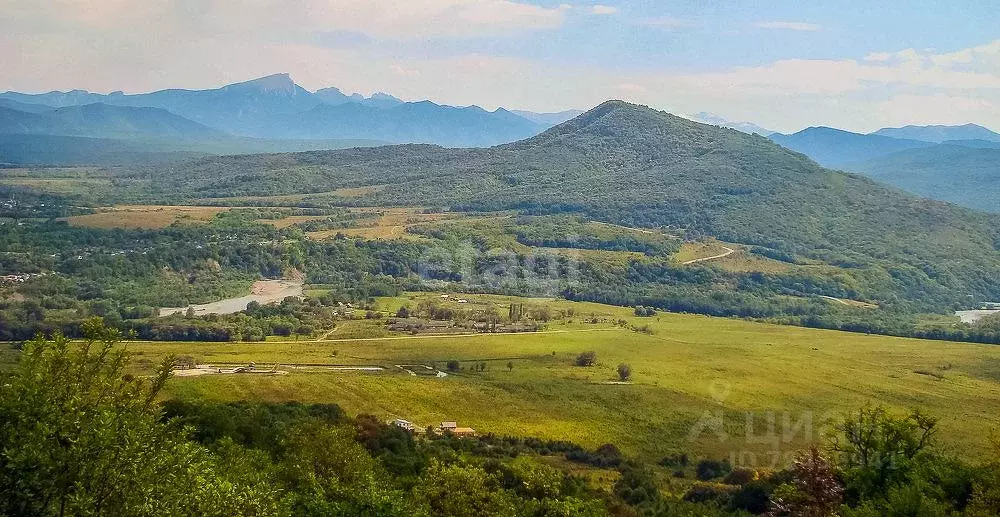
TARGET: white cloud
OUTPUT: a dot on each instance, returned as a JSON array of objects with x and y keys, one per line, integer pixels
[
  {"x": 789, "y": 26},
  {"x": 939, "y": 108},
  {"x": 603, "y": 9},
  {"x": 631, "y": 88},
  {"x": 404, "y": 70},
  {"x": 884, "y": 88},
  {"x": 879, "y": 56},
  {"x": 208, "y": 43},
  {"x": 385, "y": 19}
]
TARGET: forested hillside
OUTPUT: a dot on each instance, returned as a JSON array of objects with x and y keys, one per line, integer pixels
[{"x": 635, "y": 166}]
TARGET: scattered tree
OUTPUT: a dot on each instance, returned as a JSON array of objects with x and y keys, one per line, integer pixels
[
  {"x": 813, "y": 492},
  {"x": 644, "y": 311},
  {"x": 876, "y": 449}
]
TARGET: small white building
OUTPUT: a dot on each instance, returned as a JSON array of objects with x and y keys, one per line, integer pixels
[{"x": 403, "y": 424}]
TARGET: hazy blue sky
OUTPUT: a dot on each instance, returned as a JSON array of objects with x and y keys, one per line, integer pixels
[{"x": 783, "y": 64}]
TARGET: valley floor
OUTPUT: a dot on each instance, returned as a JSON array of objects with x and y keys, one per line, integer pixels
[{"x": 722, "y": 388}]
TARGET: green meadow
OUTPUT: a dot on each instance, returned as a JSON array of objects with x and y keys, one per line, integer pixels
[{"x": 717, "y": 387}]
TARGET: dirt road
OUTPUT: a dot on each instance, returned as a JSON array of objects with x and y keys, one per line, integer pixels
[{"x": 729, "y": 251}]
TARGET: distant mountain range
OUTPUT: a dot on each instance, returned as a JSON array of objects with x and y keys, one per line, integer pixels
[
  {"x": 835, "y": 147},
  {"x": 272, "y": 107},
  {"x": 273, "y": 114},
  {"x": 959, "y": 164},
  {"x": 940, "y": 134},
  {"x": 101, "y": 120}
]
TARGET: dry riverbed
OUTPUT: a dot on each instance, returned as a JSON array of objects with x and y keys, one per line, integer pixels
[{"x": 262, "y": 291}]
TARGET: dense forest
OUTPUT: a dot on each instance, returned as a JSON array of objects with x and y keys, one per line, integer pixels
[{"x": 84, "y": 437}]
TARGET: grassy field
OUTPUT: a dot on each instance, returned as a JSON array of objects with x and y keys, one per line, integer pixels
[
  {"x": 143, "y": 216},
  {"x": 710, "y": 386},
  {"x": 374, "y": 223}
]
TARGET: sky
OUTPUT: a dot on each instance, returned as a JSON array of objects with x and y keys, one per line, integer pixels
[{"x": 783, "y": 64}]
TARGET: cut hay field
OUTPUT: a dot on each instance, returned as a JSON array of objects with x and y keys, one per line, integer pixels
[{"x": 709, "y": 386}]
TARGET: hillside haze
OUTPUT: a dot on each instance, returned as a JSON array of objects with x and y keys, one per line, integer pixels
[
  {"x": 939, "y": 134},
  {"x": 835, "y": 147},
  {"x": 635, "y": 166},
  {"x": 968, "y": 176}
]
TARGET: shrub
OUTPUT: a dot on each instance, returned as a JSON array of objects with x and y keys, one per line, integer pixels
[
  {"x": 636, "y": 486},
  {"x": 586, "y": 359},
  {"x": 754, "y": 497},
  {"x": 677, "y": 460},
  {"x": 185, "y": 362},
  {"x": 718, "y": 494},
  {"x": 712, "y": 469},
  {"x": 739, "y": 476},
  {"x": 624, "y": 372}
]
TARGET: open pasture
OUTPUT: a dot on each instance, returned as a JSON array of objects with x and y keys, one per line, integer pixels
[{"x": 717, "y": 387}]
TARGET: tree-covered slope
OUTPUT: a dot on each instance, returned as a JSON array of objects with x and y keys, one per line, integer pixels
[
  {"x": 958, "y": 174},
  {"x": 635, "y": 166}
]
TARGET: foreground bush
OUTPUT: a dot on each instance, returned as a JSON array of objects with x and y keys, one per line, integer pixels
[{"x": 79, "y": 436}]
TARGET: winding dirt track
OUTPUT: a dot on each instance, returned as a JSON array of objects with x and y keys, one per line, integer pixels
[{"x": 729, "y": 251}]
